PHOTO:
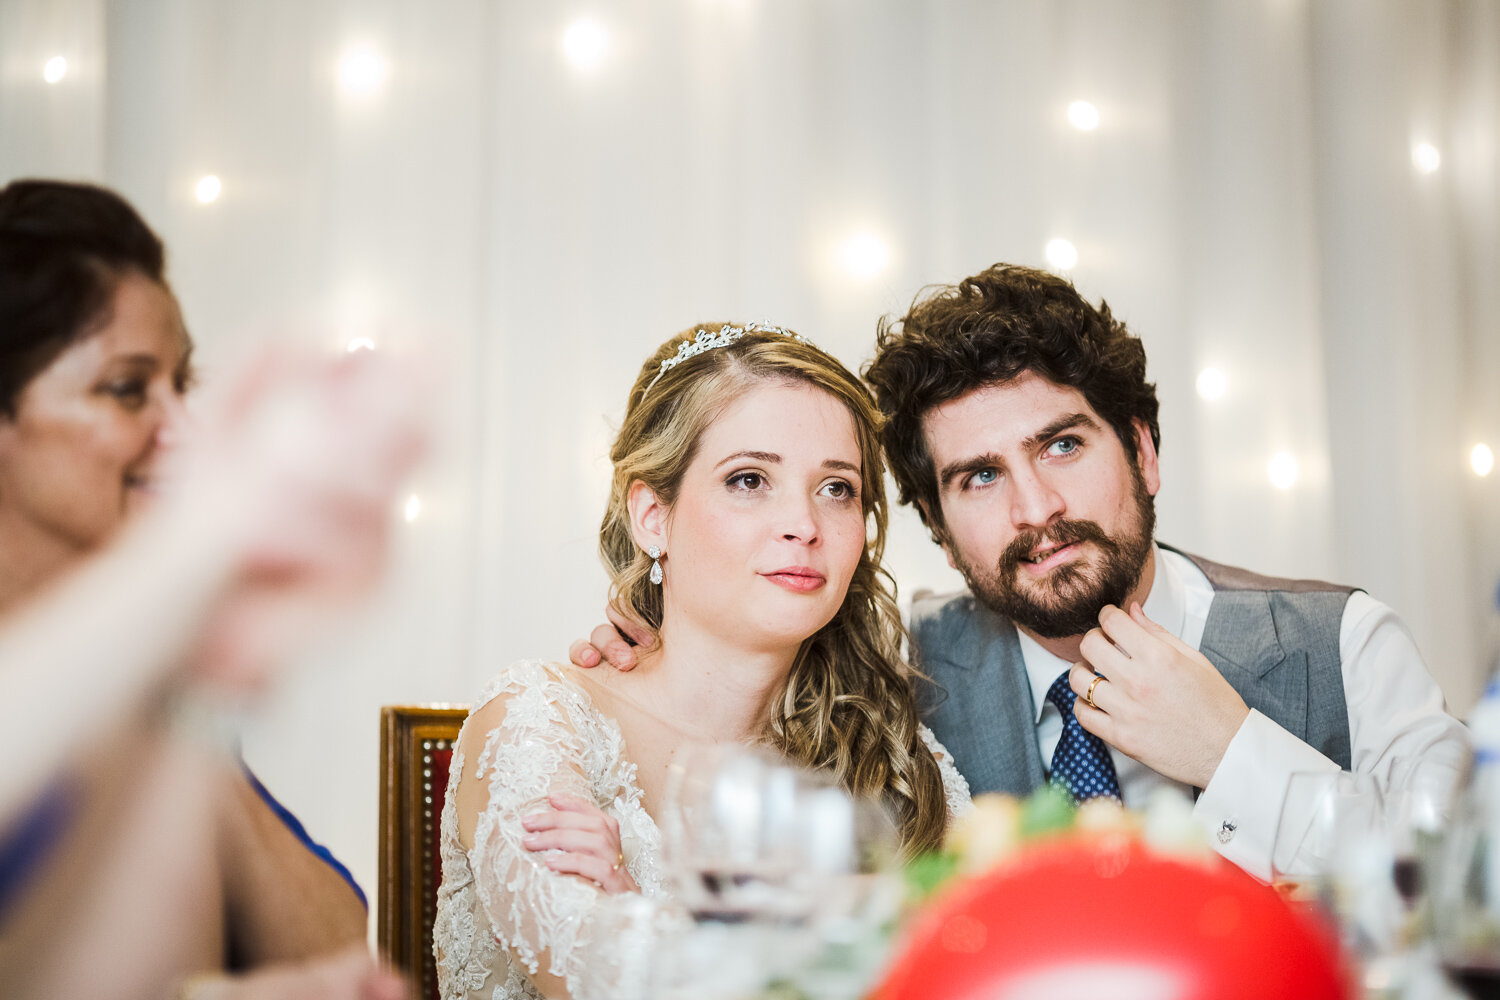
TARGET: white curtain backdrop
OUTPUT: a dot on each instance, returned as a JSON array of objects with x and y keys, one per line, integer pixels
[{"x": 536, "y": 194}]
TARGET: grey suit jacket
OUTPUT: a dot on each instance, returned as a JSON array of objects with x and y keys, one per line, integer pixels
[{"x": 1276, "y": 642}]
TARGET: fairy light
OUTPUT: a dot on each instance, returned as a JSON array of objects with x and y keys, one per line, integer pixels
[
  {"x": 1426, "y": 158},
  {"x": 1061, "y": 254},
  {"x": 208, "y": 189},
  {"x": 1211, "y": 384},
  {"x": 864, "y": 255},
  {"x": 55, "y": 69},
  {"x": 362, "y": 71},
  {"x": 585, "y": 44},
  {"x": 1083, "y": 116},
  {"x": 1282, "y": 470},
  {"x": 1482, "y": 460}
]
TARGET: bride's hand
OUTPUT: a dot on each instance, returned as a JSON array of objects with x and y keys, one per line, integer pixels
[{"x": 587, "y": 839}]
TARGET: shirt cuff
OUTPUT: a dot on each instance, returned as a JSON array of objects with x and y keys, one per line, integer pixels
[{"x": 1239, "y": 808}]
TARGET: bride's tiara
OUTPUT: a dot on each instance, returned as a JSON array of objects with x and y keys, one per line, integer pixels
[{"x": 703, "y": 341}]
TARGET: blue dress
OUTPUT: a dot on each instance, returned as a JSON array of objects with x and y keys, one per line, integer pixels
[{"x": 26, "y": 845}]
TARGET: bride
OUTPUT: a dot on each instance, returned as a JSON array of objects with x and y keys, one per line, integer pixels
[{"x": 745, "y": 527}]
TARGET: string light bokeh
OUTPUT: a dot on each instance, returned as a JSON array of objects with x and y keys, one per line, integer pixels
[{"x": 529, "y": 197}]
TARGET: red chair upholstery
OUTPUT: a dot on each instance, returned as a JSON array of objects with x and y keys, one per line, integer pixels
[{"x": 416, "y": 748}]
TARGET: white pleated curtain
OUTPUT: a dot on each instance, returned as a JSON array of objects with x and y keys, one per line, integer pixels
[{"x": 537, "y": 215}]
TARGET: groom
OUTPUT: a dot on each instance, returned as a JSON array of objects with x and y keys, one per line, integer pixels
[{"x": 1023, "y": 429}]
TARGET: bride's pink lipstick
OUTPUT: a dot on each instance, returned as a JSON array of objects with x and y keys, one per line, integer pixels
[{"x": 801, "y": 579}]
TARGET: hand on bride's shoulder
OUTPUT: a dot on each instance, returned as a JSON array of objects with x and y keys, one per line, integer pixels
[{"x": 614, "y": 643}]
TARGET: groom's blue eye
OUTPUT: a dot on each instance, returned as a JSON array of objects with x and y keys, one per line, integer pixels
[
  {"x": 983, "y": 477},
  {"x": 1065, "y": 446}
]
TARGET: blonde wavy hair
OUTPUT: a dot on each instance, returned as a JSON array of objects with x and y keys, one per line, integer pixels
[{"x": 847, "y": 706}]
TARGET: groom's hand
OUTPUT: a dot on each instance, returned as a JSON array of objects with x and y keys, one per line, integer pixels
[
  {"x": 615, "y": 643},
  {"x": 1161, "y": 701}
]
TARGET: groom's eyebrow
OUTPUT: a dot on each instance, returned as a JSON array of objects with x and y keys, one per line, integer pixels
[
  {"x": 1057, "y": 426},
  {"x": 967, "y": 467}
]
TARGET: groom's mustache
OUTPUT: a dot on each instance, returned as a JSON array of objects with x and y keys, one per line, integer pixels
[{"x": 1059, "y": 533}]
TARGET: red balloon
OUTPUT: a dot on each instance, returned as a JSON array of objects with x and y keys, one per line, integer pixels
[{"x": 1082, "y": 919}]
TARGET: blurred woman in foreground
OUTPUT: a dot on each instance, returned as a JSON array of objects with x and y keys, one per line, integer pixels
[{"x": 131, "y": 860}]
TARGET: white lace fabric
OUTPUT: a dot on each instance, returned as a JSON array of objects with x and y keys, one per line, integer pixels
[
  {"x": 502, "y": 914},
  {"x": 955, "y": 785}
]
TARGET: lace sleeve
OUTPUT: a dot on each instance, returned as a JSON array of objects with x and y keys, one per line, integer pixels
[
  {"x": 539, "y": 739},
  {"x": 955, "y": 787}
]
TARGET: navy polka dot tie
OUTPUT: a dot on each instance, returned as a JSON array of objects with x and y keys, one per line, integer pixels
[{"x": 1081, "y": 765}]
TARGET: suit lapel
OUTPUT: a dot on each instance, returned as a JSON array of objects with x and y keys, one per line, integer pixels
[
  {"x": 1246, "y": 650},
  {"x": 990, "y": 721}
]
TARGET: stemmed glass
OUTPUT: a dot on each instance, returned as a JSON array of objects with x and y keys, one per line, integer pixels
[
  {"x": 779, "y": 868},
  {"x": 1331, "y": 847},
  {"x": 1466, "y": 896},
  {"x": 1370, "y": 859},
  {"x": 1419, "y": 807}
]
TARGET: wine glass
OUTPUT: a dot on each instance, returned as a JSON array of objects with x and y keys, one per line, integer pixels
[
  {"x": 779, "y": 869},
  {"x": 1466, "y": 894},
  {"x": 1319, "y": 810},
  {"x": 1331, "y": 848},
  {"x": 1419, "y": 806}
]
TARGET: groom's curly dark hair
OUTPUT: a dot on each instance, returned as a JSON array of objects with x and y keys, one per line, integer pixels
[{"x": 987, "y": 330}]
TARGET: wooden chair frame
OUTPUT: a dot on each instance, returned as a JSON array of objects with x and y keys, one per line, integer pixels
[{"x": 409, "y": 737}]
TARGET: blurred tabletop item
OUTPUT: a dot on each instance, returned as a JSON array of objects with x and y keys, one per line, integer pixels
[{"x": 1035, "y": 899}]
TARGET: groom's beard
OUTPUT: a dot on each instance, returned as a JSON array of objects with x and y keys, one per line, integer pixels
[{"x": 1068, "y": 600}]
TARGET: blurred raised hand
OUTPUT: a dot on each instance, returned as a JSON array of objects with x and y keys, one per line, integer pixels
[
  {"x": 273, "y": 514},
  {"x": 297, "y": 465}
]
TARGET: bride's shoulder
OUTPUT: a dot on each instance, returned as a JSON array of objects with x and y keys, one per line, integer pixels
[
  {"x": 538, "y": 700},
  {"x": 533, "y": 678}
]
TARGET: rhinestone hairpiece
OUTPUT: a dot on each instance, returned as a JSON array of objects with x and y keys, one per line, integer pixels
[{"x": 702, "y": 341}]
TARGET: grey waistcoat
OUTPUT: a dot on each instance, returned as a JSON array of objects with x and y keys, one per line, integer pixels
[{"x": 1275, "y": 641}]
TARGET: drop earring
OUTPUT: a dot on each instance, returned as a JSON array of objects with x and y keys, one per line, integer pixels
[{"x": 655, "y": 553}]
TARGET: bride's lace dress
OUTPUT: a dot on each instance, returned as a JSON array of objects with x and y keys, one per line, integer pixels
[{"x": 502, "y": 915}]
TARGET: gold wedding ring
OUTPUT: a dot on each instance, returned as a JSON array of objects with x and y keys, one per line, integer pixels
[
  {"x": 1089, "y": 695},
  {"x": 619, "y": 860}
]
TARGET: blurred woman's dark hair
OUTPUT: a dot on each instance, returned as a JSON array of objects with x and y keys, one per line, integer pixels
[{"x": 63, "y": 248}]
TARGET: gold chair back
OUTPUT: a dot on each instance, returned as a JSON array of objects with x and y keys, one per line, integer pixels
[{"x": 416, "y": 748}]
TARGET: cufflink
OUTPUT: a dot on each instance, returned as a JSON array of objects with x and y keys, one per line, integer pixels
[{"x": 1226, "y": 831}]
